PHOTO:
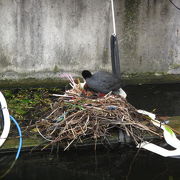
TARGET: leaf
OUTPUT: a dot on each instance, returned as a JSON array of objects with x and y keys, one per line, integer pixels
[{"x": 169, "y": 130}]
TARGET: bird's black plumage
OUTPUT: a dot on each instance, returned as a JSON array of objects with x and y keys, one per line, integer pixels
[{"x": 101, "y": 81}]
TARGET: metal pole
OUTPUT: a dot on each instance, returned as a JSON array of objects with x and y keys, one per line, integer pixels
[{"x": 113, "y": 17}]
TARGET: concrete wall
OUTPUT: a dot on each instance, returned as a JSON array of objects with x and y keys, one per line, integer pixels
[
  {"x": 149, "y": 33},
  {"x": 40, "y": 38}
]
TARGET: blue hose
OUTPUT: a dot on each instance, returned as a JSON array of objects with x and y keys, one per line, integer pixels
[
  {"x": 20, "y": 137},
  {"x": 19, "y": 148}
]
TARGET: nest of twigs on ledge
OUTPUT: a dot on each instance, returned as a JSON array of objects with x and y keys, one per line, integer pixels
[
  {"x": 76, "y": 117},
  {"x": 79, "y": 115}
]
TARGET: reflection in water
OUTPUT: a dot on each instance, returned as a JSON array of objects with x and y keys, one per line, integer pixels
[{"x": 86, "y": 165}]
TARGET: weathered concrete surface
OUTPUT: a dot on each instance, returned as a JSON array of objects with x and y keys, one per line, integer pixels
[
  {"x": 45, "y": 36},
  {"x": 42, "y": 38},
  {"x": 150, "y": 37}
]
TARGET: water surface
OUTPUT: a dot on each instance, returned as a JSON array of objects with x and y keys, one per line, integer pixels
[{"x": 102, "y": 165}]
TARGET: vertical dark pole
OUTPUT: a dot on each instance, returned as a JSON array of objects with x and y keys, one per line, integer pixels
[
  {"x": 115, "y": 56},
  {"x": 114, "y": 47}
]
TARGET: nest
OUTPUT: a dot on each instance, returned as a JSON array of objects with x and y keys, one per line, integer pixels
[{"x": 79, "y": 116}]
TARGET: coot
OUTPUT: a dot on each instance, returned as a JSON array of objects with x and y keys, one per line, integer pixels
[{"x": 101, "y": 81}]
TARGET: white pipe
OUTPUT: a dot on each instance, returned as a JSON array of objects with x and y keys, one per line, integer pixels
[
  {"x": 113, "y": 17},
  {"x": 6, "y": 118},
  {"x": 159, "y": 150},
  {"x": 169, "y": 137}
]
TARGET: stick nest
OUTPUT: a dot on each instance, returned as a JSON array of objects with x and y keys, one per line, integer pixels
[{"x": 76, "y": 117}]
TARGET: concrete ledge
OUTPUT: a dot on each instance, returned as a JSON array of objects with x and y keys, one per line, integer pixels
[
  {"x": 32, "y": 82},
  {"x": 131, "y": 79},
  {"x": 151, "y": 78}
]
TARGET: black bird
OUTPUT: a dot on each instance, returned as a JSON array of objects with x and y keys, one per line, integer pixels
[{"x": 102, "y": 82}]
